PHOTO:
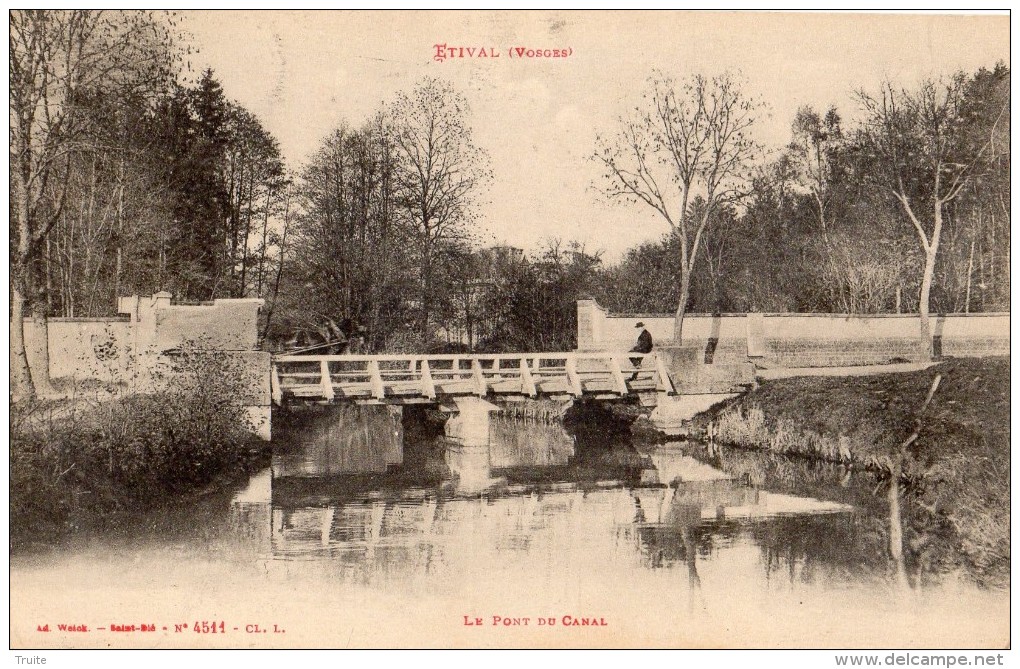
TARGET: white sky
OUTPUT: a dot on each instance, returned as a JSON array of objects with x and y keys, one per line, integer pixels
[{"x": 304, "y": 72}]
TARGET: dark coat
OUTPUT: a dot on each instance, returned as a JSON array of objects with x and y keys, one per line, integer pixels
[{"x": 644, "y": 343}]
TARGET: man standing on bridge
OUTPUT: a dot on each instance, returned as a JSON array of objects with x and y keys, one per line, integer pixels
[{"x": 644, "y": 345}]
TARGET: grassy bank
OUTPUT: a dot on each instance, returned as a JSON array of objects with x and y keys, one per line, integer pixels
[
  {"x": 77, "y": 465},
  {"x": 957, "y": 470}
]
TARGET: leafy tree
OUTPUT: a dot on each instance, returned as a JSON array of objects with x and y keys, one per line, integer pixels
[
  {"x": 254, "y": 173},
  {"x": 645, "y": 279},
  {"x": 225, "y": 185},
  {"x": 976, "y": 268},
  {"x": 192, "y": 128},
  {"x": 531, "y": 303},
  {"x": 113, "y": 203},
  {"x": 351, "y": 262},
  {"x": 775, "y": 245},
  {"x": 271, "y": 265},
  {"x": 178, "y": 190},
  {"x": 458, "y": 282},
  {"x": 814, "y": 156}
]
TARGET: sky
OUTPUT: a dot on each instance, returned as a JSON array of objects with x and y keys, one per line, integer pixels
[{"x": 304, "y": 73}]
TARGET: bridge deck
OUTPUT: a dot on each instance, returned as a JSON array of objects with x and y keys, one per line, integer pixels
[{"x": 411, "y": 379}]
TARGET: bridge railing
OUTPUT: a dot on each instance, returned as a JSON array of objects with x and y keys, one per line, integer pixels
[{"x": 410, "y": 378}]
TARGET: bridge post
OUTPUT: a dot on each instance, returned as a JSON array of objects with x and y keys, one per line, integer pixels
[{"x": 467, "y": 442}]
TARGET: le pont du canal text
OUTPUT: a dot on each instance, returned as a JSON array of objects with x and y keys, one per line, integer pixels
[{"x": 523, "y": 621}]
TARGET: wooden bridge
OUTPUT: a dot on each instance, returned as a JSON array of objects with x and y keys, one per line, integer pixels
[{"x": 418, "y": 379}]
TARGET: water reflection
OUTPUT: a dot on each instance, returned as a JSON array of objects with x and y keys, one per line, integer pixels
[
  {"x": 541, "y": 500},
  {"x": 676, "y": 544}
]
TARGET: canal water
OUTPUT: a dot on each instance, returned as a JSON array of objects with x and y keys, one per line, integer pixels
[{"x": 550, "y": 539}]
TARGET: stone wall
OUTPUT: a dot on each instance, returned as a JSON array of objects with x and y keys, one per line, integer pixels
[
  {"x": 84, "y": 348},
  {"x": 225, "y": 325},
  {"x": 800, "y": 340},
  {"x": 159, "y": 325},
  {"x": 156, "y": 343}
]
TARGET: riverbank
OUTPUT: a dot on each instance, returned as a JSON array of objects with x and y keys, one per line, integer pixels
[
  {"x": 957, "y": 470},
  {"x": 84, "y": 465}
]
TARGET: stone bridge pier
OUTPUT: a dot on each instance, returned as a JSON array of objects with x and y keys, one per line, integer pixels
[
  {"x": 335, "y": 440},
  {"x": 467, "y": 443}
]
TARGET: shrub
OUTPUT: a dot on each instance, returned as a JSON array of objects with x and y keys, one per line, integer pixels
[{"x": 75, "y": 462}]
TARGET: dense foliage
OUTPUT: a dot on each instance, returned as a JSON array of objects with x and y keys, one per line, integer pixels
[{"x": 76, "y": 464}]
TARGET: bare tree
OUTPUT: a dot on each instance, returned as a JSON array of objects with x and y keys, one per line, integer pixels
[
  {"x": 439, "y": 175},
  {"x": 57, "y": 59},
  {"x": 692, "y": 139},
  {"x": 919, "y": 152}
]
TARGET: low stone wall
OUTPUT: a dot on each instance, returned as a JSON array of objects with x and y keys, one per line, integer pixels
[
  {"x": 722, "y": 375},
  {"x": 799, "y": 340},
  {"x": 83, "y": 348},
  {"x": 156, "y": 343},
  {"x": 228, "y": 325},
  {"x": 845, "y": 352}
]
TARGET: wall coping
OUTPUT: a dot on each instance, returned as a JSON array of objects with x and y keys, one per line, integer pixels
[
  {"x": 90, "y": 319},
  {"x": 787, "y": 314},
  {"x": 214, "y": 302},
  {"x": 190, "y": 307},
  {"x": 672, "y": 316}
]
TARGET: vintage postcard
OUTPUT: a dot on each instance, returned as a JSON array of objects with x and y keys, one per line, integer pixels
[{"x": 510, "y": 329}]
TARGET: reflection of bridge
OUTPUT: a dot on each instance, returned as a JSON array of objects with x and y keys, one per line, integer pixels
[
  {"x": 415, "y": 379},
  {"x": 382, "y": 530}
]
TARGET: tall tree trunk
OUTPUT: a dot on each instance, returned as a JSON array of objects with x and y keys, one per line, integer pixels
[
  {"x": 240, "y": 290},
  {"x": 930, "y": 246},
  {"x": 41, "y": 374},
  {"x": 261, "y": 275},
  {"x": 22, "y": 383},
  {"x": 925, "y": 296},
  {"x": 120, "y": 230},
  {"x": 279, "y": 268},
  {"x": 991, "y": 268},
  {"x": 681, "y": 309},
  {"x": 49, "y": 275},
  {"x": 119, "y": 271},
  {"x": 426, "y": 290},
  {"x": 931, "y": 251},
  {"x": 970, "y": 274},
  {"x": 22, "y": 386}
]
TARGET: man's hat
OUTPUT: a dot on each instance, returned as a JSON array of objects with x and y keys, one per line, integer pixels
[{"x": 640, "y": 325}]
